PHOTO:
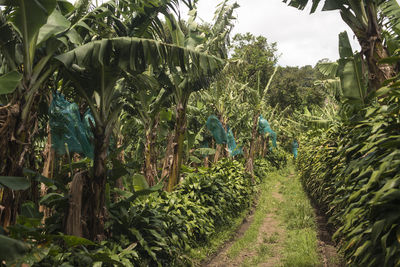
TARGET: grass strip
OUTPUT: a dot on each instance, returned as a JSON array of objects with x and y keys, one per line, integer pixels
[{"x": 298, "y": 218}]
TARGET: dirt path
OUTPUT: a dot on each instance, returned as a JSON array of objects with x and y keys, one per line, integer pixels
[{"x": 266, "y": 239}]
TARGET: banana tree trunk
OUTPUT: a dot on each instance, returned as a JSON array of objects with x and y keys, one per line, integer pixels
[
  {"x": 206, "y": 161},
  {"x": 179, "y": 137},
  {"x": 150, "y": 162},
  {"x": 120, "y": 157},
  {"x": 49, "y": 156},
  {"x": 373, "y": 51},
  {"x": 15, "y": 141},
  {"x": 167, "y": 163},
  {"x": 96, "y": 210},
  {"x": 220, "y": 148},
  {"x": 250, "y": 159},
  {"x": 217, "y": 153},
  {"x": 74, "y": 221},
  {"x": 259, "y": 145},
  {"x": 265, "y": 146}
]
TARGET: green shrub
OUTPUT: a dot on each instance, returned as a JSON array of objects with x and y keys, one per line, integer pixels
[
  {"x": 353, "y": 172},
  {"x": 166, "y": 225},
  {"x": 160, "y": 228},
  {"x": 277, "y": 158}
]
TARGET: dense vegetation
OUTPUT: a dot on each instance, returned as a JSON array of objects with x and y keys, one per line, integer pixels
[
  {"x": 108, "y": 151},
  {"x": 349, "y": 157}
]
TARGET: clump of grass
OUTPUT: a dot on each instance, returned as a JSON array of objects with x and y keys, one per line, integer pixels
[
  {"x": 271, "y": 238},
  {"x": 301, "y": 249}
]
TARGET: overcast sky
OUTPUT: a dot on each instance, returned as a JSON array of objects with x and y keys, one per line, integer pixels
[{"x": 302, "y": 39}]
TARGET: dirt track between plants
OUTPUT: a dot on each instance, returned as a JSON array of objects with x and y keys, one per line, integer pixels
[
  {"x": 270, "y": 233},
  {"x": 268, "y": 248}
]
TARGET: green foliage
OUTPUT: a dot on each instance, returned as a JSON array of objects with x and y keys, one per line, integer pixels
[
  {"x": 155, "y": 228},
  {"x": 262, "y": 167},
  {"x": 277, "y": 158},
  {"x": 11, "y": 249},
  {"x": 255, "y": 54},
  {"x": 293, "y": 89},
  {"x": 9, "y": 81},
  {"x": 14, "y": 183},
  {"x": 353, "y": 173},
  {"x": 166, "y": 225}
]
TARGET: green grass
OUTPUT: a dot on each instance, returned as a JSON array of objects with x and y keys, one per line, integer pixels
[
  {"x": 271, "y": 239},
  {"x": 264, "y": 251},
  {"x": 263, "y": 207},
  {"x": 301, "y": 249},
  {"x": 298, "y": 218},
  {"x": 217, "y": 240}
]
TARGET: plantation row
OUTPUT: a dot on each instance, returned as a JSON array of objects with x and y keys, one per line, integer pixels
[
  {"x": 113, "y": 122},
  {"x": 354, "y": 176},
  {"x": 349, "y": 154},
  {"x": 117, "y": 121},
  {"x": 150, "y": 228}
]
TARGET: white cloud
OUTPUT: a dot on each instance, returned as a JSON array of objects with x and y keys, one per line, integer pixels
[{"x": 302, "y": 39}]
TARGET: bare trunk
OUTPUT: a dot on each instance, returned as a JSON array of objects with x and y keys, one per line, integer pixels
[
  {"x": 259, "y": 145},
  {"x": 74, "y": 219},
  {"x": 180, "y": 131},
  {"x": 250, "y": 159},
  {"x": 49, "y": 155},
  {"x": 150, "y": 162},
  {"x": 217, "y": 153},
  {"x": 15, "y": 141},
  {"x": 148, "y": 166},
  {"x": 168, "y": 156},
  {"x": 96, "y": 210},
  {"x": 120, "y": 157},
  {"x": 265, "y": 146},
  {"x": 206, "y": 161}
]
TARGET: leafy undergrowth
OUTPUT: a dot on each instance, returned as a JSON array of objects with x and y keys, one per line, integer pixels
[
  {"x": 353, "y": 172},
  {"x": 158, "y": 228}
]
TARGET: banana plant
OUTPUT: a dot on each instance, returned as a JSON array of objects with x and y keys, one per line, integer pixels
[
  {"x": 31, "y": 33},
  {"x": 145, "y": 99},
  {"x": 183, "y": 84},
  {"x": 98, "y": 69},
  {"x": 346, "y": 76},
  {"x": 362, "y": 17}
]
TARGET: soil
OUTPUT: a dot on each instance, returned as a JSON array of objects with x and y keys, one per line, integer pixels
[
  {"x": 221, "y": 257},
  {"x": 273, "y": 234},
  {"x": 269, "y": 232},
  {"x": 326, "y": 246}
]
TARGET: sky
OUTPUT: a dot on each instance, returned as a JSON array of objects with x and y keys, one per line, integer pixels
[{"x": 302, "y": 39}]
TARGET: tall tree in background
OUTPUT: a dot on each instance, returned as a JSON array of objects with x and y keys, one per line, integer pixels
[{"x": 293, "y": 89}]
